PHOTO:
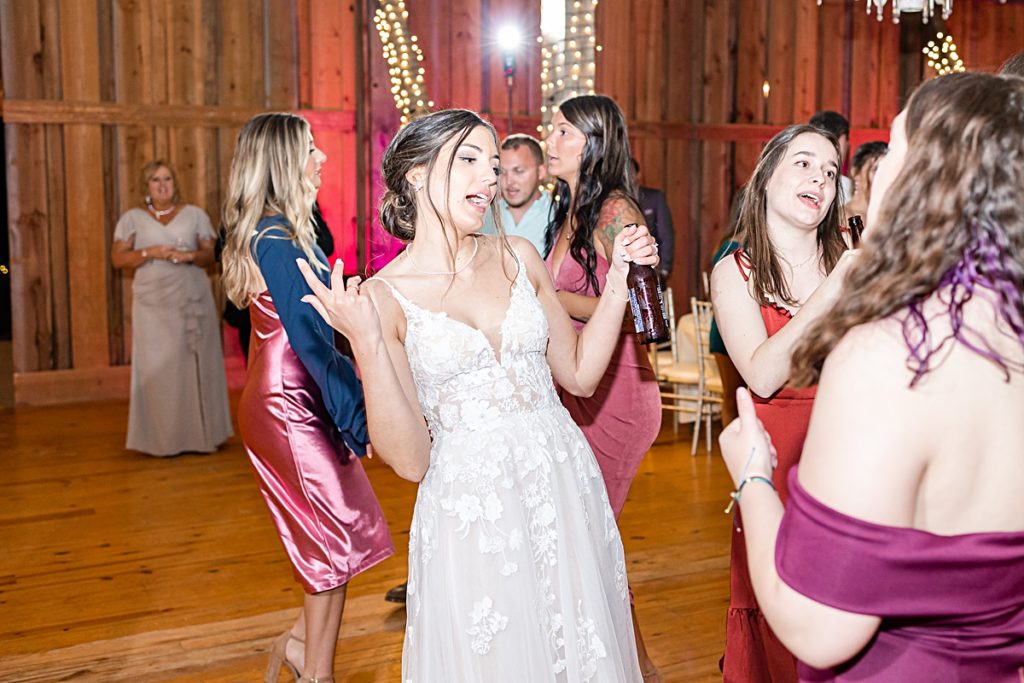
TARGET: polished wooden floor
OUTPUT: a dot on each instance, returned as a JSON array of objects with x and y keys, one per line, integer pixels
[{"x": 119, "y": 567}]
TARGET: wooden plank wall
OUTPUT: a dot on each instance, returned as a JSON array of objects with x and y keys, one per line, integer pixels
[
  {"x": 463, "y": 63},
  {"x": 689, "y": 74},
  {"x": 95, "y": 88}
]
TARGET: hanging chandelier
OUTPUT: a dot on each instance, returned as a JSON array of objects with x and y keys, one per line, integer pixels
[{"x": 925, "y": 7}]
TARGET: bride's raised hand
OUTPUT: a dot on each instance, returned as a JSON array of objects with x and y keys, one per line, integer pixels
[
  {"x": 343, "y": 306},
  {"x": 634, "y": 243}
]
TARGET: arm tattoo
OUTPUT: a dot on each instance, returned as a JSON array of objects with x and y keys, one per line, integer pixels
[{"x": 613, "y": 222}]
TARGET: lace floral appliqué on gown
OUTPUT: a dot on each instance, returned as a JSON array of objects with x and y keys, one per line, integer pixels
[{"x": 516, "y": 568}]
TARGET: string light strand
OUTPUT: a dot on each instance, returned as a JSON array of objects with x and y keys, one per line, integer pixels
[
  {"x": 568, "y": 55},
  {"x": 943, "y": 55},
  {"x": 404, "y": 58}
]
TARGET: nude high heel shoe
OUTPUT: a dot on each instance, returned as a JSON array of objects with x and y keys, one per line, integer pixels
[{"x": 279, "y": 658}]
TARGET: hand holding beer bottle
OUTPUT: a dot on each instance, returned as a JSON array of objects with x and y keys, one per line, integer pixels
[{"x": 647, "y": 303}]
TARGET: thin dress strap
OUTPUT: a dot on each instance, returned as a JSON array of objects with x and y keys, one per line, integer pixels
[
  {"x": 743, "y": 263},
  {"x": 775, "y": 316},
  {"x": 402, "y": 300},
  {"x": 378, "y": 278}
]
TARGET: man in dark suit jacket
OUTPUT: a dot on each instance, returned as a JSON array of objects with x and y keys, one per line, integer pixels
[{"x": 659, "y": 222}]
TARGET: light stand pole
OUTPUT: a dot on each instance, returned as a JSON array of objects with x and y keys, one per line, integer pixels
[
  {"x": 508, "y": 41},
  {"x": 508, "y": 62}
]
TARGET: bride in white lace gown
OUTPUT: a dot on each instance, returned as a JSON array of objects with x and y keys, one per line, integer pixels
[{"x": 516, "y": 569}]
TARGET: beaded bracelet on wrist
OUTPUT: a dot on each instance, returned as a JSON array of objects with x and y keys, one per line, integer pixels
[{"x": 735, "y": 495}]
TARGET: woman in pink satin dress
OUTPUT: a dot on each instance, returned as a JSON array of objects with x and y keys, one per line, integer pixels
[
  {"x": 301, "y": 415},
  {"x": 589, "y": 154}
]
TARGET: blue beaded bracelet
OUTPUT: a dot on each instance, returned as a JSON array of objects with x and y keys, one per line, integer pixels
[{"x": 735, "y": 495}]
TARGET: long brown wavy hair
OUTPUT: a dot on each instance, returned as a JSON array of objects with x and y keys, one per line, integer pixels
[
  {"x": 952, "y": 222},
  {"x": 767, "y": 276}
]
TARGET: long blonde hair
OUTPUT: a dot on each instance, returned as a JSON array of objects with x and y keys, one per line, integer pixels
[{"x": 268, "y": 177}]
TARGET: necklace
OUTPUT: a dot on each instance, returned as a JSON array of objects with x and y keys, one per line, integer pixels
[
  {"x": 412, "y": 262},
  {"x": 158, "y": 213},
  {"x": 802, "y": 263}
]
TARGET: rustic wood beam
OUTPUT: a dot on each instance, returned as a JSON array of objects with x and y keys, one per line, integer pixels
[{"x": 113, "y": 113}]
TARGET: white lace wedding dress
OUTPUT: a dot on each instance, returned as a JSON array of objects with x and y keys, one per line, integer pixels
[{"x": 516, "y": 569}]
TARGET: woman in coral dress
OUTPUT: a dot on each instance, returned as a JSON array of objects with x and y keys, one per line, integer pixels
[{"x": 786, "y": 275}]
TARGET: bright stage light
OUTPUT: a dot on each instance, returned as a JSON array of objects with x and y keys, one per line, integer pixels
[
  {"x": 508, "y": 38},
  {"x": 508, "y": 43}
]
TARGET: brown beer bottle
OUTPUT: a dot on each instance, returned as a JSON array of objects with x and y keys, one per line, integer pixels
[
  {"x": 856, "y": 230},
  {"x": 648, "y": 304}
]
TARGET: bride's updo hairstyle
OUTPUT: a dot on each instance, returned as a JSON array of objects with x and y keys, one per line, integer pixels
[{"x": 419, "y": 144}]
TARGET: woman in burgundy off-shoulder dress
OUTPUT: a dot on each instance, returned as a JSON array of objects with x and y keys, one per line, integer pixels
[{"x": 785, "y": 276}]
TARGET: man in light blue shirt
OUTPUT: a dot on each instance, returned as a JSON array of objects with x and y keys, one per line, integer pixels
[{"x": 524, "y": 205}]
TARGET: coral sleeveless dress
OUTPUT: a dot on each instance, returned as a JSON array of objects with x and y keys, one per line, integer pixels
[{"x": 752, "y": 652}]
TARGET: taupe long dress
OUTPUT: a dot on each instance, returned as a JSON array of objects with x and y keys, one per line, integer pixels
[{"x": 179, "y": 399}]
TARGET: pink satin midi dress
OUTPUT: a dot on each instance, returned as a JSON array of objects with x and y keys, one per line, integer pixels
[{"x": 318, "y": 494}]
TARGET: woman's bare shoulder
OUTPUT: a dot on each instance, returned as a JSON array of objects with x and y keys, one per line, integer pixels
[
  {"x": 875, "y": 344},
  {"x": 727, "y": 278},
  {"x": 523, "y": 248},
  {"x": 382, "y": 293},
  {"x": 530, "y": 259}
]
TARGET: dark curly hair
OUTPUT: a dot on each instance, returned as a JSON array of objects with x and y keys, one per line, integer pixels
[{"x": 1014, "y": 66}]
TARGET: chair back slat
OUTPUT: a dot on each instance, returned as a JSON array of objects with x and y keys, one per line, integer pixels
[
  {"x": 687, "y": 379},
  {"x": 703, "y": 314},
  {"x": 686, "y": 345}
]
